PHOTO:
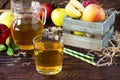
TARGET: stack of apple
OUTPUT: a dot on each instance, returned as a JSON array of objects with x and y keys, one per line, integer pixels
[
  {"x": 56, "y": 15},
  {"x": 89, "y": 10},
  {"x": 6, "y": 19}
]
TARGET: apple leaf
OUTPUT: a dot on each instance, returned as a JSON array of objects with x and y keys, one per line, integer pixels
[
  {"x": 8, "y": 41},
  {"x": 10, "y": 51},
  {"x": 15, "y": 47},
  {"x": 2, "y": 47}
]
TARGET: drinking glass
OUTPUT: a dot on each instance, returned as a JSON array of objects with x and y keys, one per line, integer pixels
[{"x": 48, "y": 55}]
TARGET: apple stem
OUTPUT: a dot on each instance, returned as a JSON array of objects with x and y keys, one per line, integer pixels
[
  {"x": 62, "y": 3},
  {"x": 101, "y": 5},
  {"x": 51, "y": 1}
]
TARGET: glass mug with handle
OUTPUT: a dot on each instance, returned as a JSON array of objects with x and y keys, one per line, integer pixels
[{"x": 27, "y": 23}]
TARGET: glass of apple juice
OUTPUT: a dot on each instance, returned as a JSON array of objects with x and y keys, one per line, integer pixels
[{"x": 48, "y": 55}]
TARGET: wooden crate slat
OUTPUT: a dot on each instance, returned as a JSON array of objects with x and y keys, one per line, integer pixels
[
  {"x": 109, "y": 22},
  {"x": 107, "y": 36},
  {"x": 82, "y": 42},
  {"x": 85, "y": 42},
  {"x": 78, "y": 25}
]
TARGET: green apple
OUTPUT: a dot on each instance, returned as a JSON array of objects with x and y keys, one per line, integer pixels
[
  {"x": 7, "y": 18},
  {"x": 57, "y": 16},
  {"x": 74, "y": 9},
  {"x": 78, "y": 33}
]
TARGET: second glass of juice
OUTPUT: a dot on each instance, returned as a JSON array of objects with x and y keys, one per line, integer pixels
[{"x": 48, "y": 54}]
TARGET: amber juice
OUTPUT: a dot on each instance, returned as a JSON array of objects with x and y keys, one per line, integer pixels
[
  {"x": 24, "y": 29},
  {"x": 49, "y": 57}
]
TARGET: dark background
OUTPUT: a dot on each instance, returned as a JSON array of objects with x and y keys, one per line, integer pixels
[
  {"x": 5, "y": 4},
  {"x": 106, "y": 4}
]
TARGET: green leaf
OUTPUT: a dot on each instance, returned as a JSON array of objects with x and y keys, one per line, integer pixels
[
  {"x": 10, "y": 51},
  {"x": 15, "y": 47},
  {"x": 8, "y": 41},
  {"x": 2, "y": 47}
]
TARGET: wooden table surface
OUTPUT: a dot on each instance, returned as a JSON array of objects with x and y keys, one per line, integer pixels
[{"x": 73, "y": 69}]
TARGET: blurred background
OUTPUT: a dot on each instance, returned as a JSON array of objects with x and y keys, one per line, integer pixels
[
  {"x": 5, "y": 4},
  {"x": 106, "y": 4}
]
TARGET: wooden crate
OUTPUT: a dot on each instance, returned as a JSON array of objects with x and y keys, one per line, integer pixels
[{"x": 102, "y": 29}]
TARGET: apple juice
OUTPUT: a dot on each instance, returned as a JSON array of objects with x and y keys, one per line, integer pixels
[
  {"x": 49, "y": 56},
  {"x": 24, "y": 29}
]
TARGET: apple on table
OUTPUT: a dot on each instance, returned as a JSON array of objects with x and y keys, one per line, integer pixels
[
  {"x": 4, "y": 33},
  {"x": 57, "y": 16},
  {"x": 7, "y": 18},
  {"x": 49, "y": 9}
]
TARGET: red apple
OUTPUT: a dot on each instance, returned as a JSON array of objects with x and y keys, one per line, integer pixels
[
  {"x": 87, "y": 2},
  {"x": 93, "y": 13},
  {"x": 4, "y": 33},
  {"x": 48, "y": 9}
]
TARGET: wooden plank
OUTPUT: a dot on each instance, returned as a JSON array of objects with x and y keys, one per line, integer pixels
[
  {"x": 109, "y": 22},
  {"x": 78, "y": 25},
  {"x": 107, "y": 37},
  {"x": 81, "y": 42},
  {"x": 85, "y": 42}
]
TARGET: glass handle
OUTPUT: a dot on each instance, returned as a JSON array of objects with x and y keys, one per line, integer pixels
[{"x": 44, "y": 15}]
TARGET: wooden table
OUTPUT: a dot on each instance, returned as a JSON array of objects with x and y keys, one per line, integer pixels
[{"x": 23, "y": 68}]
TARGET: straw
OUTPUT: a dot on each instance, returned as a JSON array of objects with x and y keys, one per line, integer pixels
[
  {"x": 80, "y": 57},
  {"x": 80, "y": 54}
]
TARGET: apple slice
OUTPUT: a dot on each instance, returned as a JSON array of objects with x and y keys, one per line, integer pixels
[
  {"x": 77, "y": 4},
  {"x": 72, "y": 11}
]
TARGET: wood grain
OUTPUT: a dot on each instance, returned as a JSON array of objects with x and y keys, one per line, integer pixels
[{"x": 73, "y": 69}]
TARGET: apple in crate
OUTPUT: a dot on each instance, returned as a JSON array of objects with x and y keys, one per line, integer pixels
[
  {"x": 48, "y": 9},
  {"x": 57, "y": 16},
  {"x": 93, "y": 13},
  {"x": 4, "y": 33},
  {"x": 74, "y": 9},
  {"x": 87, "y": 2}
]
